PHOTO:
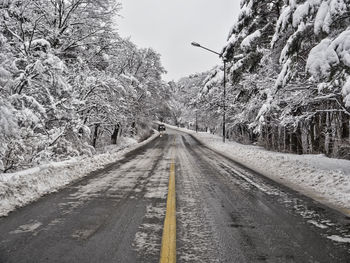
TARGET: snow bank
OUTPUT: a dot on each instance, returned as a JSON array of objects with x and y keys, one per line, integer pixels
[
  {"x": 317, "y": 176},
  {"x": 20, "y": 188}
]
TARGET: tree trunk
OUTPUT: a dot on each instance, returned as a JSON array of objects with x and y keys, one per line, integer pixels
[
  {"x": 94, "y": 140},
  {"x": 338, "y": 123},
  {"x": 327, "y": 135},
  {"x": 294, "y": 142},
  {"x": 115, "y": 133},
  {"x": 333, "y": 134},
  {"x": 304, "y": 138},
  {"x": 313, "y": 134},
  {"x": 133, "y": 128},
  {"x": 273, "y": 139},
  {"x": 284, "y": 139}
]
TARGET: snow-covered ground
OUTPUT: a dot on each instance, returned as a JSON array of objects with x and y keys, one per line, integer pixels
[
  {"x": 317, "y": 176},
  {"x": 20, "y": 188}
]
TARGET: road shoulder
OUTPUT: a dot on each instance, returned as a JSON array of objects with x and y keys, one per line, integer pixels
[{"x": 24, "y": 187}]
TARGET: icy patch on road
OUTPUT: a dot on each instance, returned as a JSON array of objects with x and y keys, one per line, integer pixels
[
  {"x": 320, "y": 220},
  {"x": 20, "y": 188},
  {"x": 27, "y": 228},
  {"x": 304, "y": 212},
  {"x": 83, "y": 233},
  {"x": 339, "y": 239},
  {"x": 327, "y": 222},
  {"x": 322, "y": 178},
  {"x": 262, "y": 187},
  {"x": 197, "y": 240},
  {"x": 160, "y": 193},
  {"x": 110, "y": 184},
  {"x": 155, "y": 212},
  {"x": 147, "y": 240},
  {"x": 157, "y": 187},
  {"x": 195, "y": 234},
  {"x": 319, "y": 225}
]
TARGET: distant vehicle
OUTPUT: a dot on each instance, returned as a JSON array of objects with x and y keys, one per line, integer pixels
[{"x": 161, "y": 129}]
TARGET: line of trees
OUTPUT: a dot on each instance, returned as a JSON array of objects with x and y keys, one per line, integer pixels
[
  {"x": 289, "y": 78},
  {"x": 69, "y": 82}
]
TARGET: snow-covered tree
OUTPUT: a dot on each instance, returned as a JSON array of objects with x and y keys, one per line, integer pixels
[
  {"x": 313, "y": 34},
  {"x": 288, "y": 68},
  {"x": 190, "y": 105},
  {"x": 69, "y": 81},
  {"x": 250, "y": 66}
]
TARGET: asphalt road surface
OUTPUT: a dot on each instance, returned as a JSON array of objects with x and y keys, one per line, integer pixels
[{"x": 224, "y": 213}]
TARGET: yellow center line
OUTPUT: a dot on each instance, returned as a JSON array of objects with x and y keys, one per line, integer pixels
[{"x": 168, "y": 250}]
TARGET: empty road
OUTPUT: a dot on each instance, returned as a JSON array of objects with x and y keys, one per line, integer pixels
[{"x": 224, "y": 213}]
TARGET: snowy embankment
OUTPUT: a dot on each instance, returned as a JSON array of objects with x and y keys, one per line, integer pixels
[
  {"x": 317, "y": 176},
  {"x": 20, "y": 188}
]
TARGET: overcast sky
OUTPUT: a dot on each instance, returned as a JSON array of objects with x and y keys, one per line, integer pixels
[{"x": 169, "y": 26}]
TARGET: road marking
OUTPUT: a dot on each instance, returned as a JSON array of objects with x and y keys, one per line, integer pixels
[{"x": 168, "y": 251}]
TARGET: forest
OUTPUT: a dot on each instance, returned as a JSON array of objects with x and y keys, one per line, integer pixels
[
  {"x": 69, "y": 83},
  {"x": 288, "y": 79}
]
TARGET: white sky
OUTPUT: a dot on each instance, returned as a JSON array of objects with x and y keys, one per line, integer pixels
[{"x": 169, "y": 27}]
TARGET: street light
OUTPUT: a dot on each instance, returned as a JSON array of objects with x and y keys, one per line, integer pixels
[{"x": 195, "y": 44}]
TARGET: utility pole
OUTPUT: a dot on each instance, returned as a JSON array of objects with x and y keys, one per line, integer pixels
[
  {"x": 224, "y": 105},
  {"x": 196, "y": 120},
  {"x": 195, "y": 44}
]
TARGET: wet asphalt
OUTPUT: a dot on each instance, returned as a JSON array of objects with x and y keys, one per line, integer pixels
[{"x": 225, "y": 213}]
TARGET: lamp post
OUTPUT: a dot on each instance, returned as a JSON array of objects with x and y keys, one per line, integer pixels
[
  {"x": 224, "y": 93},
  {"x": 196, "y": 120}
]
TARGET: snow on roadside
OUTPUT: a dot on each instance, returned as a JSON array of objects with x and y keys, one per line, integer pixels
[
  {"x": 20, "y": 188},
  {"x": 339, "y": 239},
  {"x": 317, "y": 176}
]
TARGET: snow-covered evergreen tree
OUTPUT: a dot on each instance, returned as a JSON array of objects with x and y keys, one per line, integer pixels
[{"x": 288, "y": 67}]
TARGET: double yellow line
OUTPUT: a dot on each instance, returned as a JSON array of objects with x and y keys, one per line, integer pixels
[{"x": 168, "y": 251}]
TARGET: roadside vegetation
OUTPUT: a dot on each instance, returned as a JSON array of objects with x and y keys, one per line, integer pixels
[
  {"x": 288, "y": 79},
  {"x": 69, "y": 83}
]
